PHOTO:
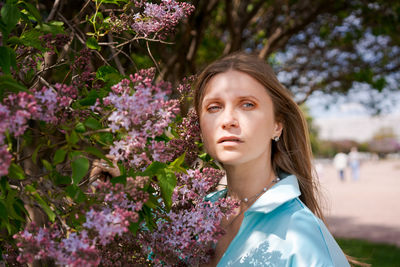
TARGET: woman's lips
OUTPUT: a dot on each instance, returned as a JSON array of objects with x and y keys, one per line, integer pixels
[{"x": 229, "y": 140}]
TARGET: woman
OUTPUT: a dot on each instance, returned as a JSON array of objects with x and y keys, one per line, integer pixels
[{"x": 250, "y": 124}]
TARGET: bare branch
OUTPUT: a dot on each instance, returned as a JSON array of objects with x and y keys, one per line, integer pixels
[
  {"x": 116, "y": 59},
  {"x": 152, "y": 58},
  {"x": 77, "y": 16},
  {"x": 54, "y": 10}
]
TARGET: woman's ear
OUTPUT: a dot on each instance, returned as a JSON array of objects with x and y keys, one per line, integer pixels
[{"x": 277, "y": 129}]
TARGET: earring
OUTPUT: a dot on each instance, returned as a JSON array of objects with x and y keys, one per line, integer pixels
[{"x": 276, "y": 138}]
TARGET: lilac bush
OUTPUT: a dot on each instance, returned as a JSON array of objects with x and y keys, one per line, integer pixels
[{"x": 62, "y": 113}]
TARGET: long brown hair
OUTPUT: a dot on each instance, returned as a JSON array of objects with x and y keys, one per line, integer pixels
[{"x": 292, "y": 153}]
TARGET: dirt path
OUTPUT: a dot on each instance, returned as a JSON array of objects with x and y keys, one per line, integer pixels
[{"x": 368, "y": 208}]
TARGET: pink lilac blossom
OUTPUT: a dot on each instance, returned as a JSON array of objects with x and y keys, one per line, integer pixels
[
  {"x": 193, "y": 224},
  {"x": 4, "y": 121},
  {"x": 188, "y": 235},
  {"x": 82, "y": 66},
  {"x": 5, "y": 160},
  {"x": 54, "y": 43},
  {"x": 155, "y": 19},
  {"x": 22, "y": 107},
  {"x": 108, "y": 223},
  {"x": 103, "y": 224},
  {"x": 188, "y": 137},
  {"x": 48, "y": 243},
  {"x": 164, "y": 16},
  {"x": 31, "y": 59},
  {"x": 143, "y": 112},
  {"x": 53, "y": 102}
]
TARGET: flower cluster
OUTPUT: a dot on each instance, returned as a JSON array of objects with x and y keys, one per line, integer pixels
[
  {"x": 31, "y": 59},
  {"x": 48, "y": 243},
  {"x": 54, "y": 42},
  {"x": 193, "y": 224},
  {"x": 82, "y": 66},
  {"x": 142, "y": 111},
  {"x": 54, "y": 100},
  {"x": 103, "y": 224},
  {"x": 14, "y": 116},
  {"x": 46, "y": 105},
  {"x": 188, "y": 137},
  {"x": 155, "y": 19}
]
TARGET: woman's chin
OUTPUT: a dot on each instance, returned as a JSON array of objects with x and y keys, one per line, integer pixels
[{"x": 231, "y": 159}]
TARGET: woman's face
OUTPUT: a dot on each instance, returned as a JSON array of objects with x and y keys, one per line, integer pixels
[{"x": 237, "y": 119}]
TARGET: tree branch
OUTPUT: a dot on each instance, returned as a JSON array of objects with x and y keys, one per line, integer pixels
[{"x": 54, "y": 10}]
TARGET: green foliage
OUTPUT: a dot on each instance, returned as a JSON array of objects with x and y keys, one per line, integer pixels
[
  {"x": 91, "y": 43},
  {"x": 52, "y": 161},
  {"x": 16, "y": 172},
  {"x": 80, "y": 166},
  {"x": 376, "y": 254}
]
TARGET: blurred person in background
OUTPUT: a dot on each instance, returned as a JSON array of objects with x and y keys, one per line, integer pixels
[
  {"x": 340, "y": 163},
  {"x": 354, "y": 162}
]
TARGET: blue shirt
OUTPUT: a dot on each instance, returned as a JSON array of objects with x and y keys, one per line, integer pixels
[{"x": 279, "y": 230}]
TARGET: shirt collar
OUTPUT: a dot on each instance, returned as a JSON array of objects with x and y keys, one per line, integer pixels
[{"x": 283, "y": 191}]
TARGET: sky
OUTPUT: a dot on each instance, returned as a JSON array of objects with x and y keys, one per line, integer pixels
[
  {"x": 326, "y": 106},
  {"x": 345, "y": 117}
]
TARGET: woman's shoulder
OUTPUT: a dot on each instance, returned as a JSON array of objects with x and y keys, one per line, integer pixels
[{"x": 311, "y": 240}]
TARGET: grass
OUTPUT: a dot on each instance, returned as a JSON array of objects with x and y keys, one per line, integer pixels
[{"x": 376, "y": 254}]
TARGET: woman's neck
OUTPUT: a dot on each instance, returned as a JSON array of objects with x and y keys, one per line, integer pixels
[{"x": 248, "y": 180}]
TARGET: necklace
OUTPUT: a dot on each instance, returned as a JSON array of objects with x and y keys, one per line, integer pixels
[
  {"x": 246, "y": 200},
  {"x": 251, "y": 200}
]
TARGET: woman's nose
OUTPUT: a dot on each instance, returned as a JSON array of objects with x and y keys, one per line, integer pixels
[{"x": 229, "y": 120}]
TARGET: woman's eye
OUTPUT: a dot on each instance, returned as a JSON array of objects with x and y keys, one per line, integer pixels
[
  {"x": 248, "y": 105},
  {"x": 213, "y": 108}
]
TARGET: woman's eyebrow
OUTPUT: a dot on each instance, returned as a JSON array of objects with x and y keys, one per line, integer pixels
[
  {"x": 245, "y": 97},
  {"x": 211, "y": 99}
]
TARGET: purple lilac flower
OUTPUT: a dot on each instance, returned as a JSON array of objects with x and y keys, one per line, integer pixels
[{"x": 143, "y": 112}]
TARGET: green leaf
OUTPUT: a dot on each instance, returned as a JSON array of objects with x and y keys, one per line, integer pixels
[
  {"x": 93, "y": 123},
  {"x": 75, "y": 193},
  {"x": 10, "y": 15},
  {"x": 50, "y": 213},
  {"x": 167, "y": 183},
  {"x": 61, "y": 179},
  {"x": 33, "y": 11},
  {"x": 152, "y": 202},
  {"x": 91, "y": 43},
  {"x": 16, "y": 172},
  {"x": 154, "y": 168},
  {"x": 35, "y": 153},
  {"x": 54, "y": 27},
  {"x": 90, "y": 99},
  {"x": 59, "y": 156},
  {"x": 7, "y": 59},
  {"x": 98, "y": 153},
  {"x": 19, "y": 208},
  {"x": 10, "y": 201},
  {"x": 119, "y": 179},
  {"x": 179, "y": 161},
  {"x": 80, "y": 167},
  {"x": 73, "y": 138},
  {"x": 104, "y": 72},
  {"x": 8, "y": 84},
  {"x": 80, "y": 127},
  {"x": 30, "y": 188},
  {"x": 106, "y": 138},
  {"x": 134, "y": 227},
  {"x": 3, "y": 211},
  {"x": 75, "y": 154},
  {"x": 30, "y": 38},
  {"x": 47, "y": 165}
]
